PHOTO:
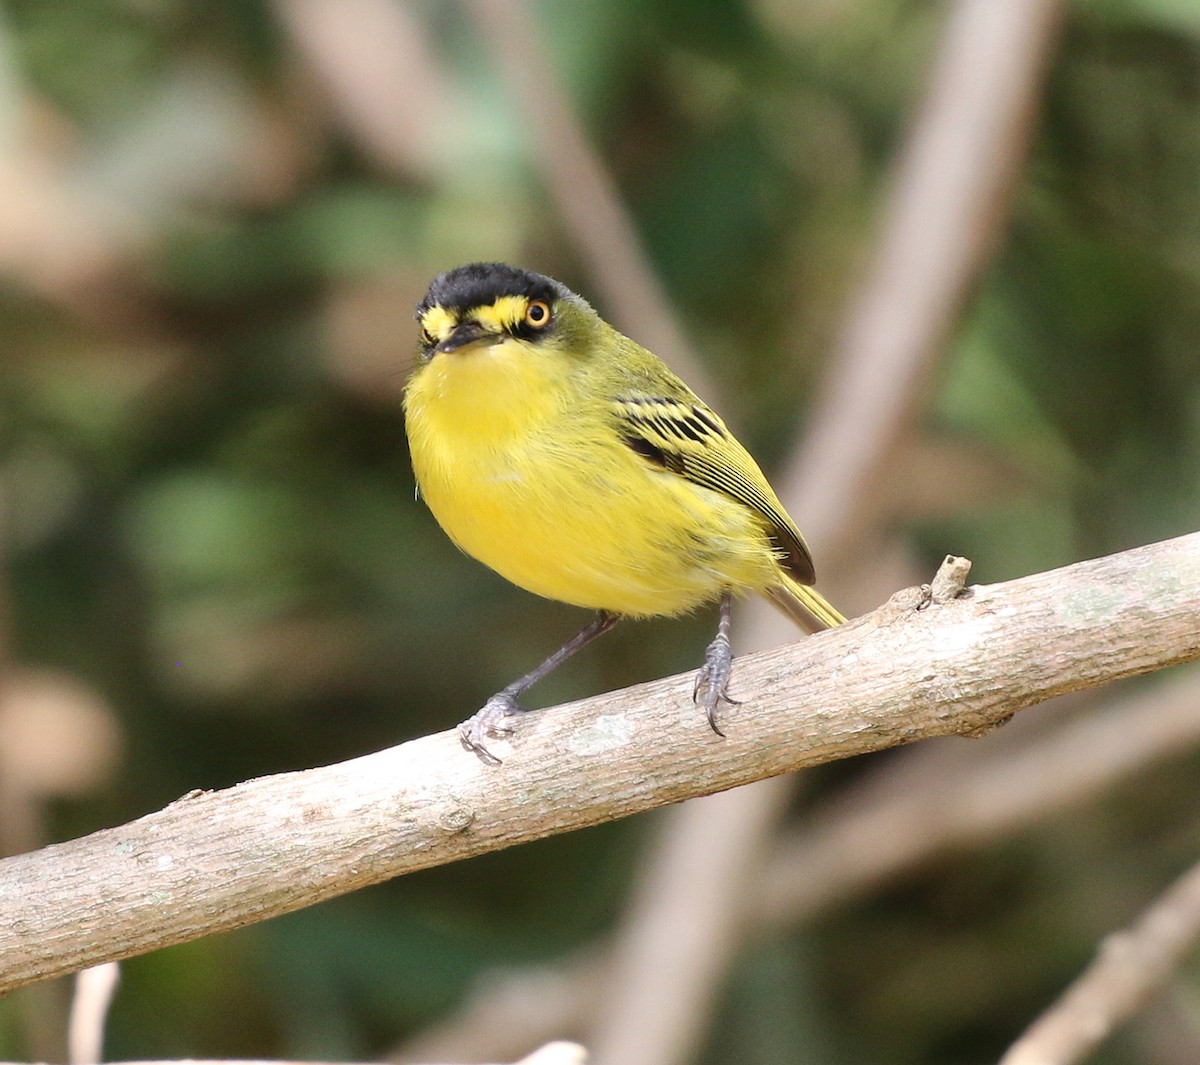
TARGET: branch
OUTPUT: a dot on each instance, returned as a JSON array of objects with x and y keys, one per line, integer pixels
[
  {"x": 94, "y": 991},
  {"x": 927, "y": 801},
  {"x": 917, "y": 807},
  {"x": 213, "y": 861},
  {"x": 1130, "y": 967}
]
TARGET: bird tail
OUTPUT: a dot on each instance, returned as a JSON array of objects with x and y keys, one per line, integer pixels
[{"x": 807, "y": 607}]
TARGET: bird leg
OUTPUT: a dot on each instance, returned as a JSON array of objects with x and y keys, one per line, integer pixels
[
  {"x": 713, "y": 677},
  {"x": 492, "y": 720}
]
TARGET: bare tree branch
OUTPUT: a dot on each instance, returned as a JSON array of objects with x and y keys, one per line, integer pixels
[
  {"x": 213, "y": 861},
  {"x": 932, "y": 798},
  {"x": 1129, "y": 968},
  {"x": 920, "y": 806},
  {"x": 94, "y": 990}
]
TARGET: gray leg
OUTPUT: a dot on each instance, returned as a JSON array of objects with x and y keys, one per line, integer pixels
[
  {"x": 713, "y": 678},
  {"x": 493, "y": 719}
]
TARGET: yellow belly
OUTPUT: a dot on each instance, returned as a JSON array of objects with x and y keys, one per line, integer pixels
[{"x": 560, "y": 506}]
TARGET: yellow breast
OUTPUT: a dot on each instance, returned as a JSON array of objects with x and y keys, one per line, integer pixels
[{"x": 540, "y": 487}]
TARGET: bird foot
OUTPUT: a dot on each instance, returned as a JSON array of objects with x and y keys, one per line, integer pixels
[
  {"x": 491, "y": 722},
  {"x": 713, "y": 680}
]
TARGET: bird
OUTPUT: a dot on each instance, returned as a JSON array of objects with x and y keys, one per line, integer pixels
[{"x": 576, "y": 464}]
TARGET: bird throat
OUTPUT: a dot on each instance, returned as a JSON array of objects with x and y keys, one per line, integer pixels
[{"x": 490, "y": 392}]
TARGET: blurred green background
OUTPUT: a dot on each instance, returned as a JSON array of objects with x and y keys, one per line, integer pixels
[{"x": 212, "y": 565}]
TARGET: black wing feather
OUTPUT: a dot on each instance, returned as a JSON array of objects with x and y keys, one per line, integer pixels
[{"x": 687, "y": 438}]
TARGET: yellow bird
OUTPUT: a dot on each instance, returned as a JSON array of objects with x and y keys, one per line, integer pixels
[{"x": 573, "y": 462}]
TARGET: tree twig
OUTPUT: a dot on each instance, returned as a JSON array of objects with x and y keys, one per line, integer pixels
[
  {"x": 94, "y": 990},
  {"x": 1130, "y": 967},
  {"x": 215, "y": 861}
]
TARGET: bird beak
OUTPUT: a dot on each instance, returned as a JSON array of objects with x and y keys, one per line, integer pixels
[{"x": 465, "y": 334}]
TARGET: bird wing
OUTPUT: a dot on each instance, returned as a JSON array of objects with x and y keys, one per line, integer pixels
[{"x": 684, "y": 436}]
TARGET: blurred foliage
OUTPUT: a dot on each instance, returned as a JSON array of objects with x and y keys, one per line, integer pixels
[{"x": 210, "y": 519}]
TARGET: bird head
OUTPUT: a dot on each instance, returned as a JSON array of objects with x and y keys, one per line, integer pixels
[{"x": 490, "y": 303}]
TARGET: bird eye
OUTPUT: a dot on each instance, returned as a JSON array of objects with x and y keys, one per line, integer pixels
[{"x": 537, "y": 314}]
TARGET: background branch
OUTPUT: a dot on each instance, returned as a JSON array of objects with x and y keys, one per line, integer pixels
[
  {"x": 215, "y": 861},
  {"x": 1129, "y": 968}
]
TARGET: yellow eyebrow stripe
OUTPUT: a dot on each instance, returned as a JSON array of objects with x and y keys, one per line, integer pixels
[
  {"x": 439, "y": 323},
  {"x": 506, "y": 312}
]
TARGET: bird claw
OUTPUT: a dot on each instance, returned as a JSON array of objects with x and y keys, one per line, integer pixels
[
  {"x": 491, "y": 722},
  {"x": 713, "y": 680}
]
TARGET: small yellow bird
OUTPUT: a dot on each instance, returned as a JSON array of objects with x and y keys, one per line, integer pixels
[{"x": 573, "y": 462}]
